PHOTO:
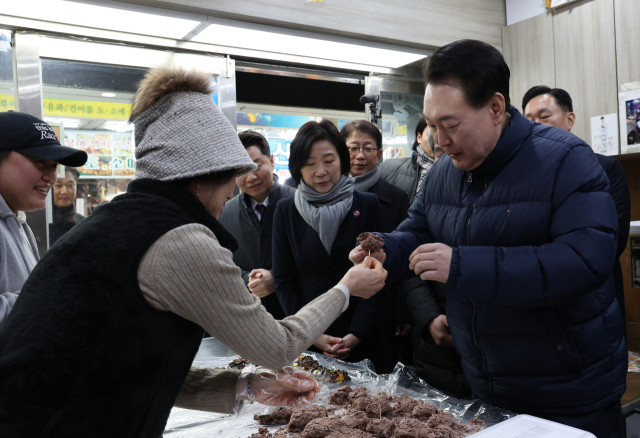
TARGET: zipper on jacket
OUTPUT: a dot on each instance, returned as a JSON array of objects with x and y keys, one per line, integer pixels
[
  {"x": 474, "y": 330},
  {"x": 469, "y": 177}
]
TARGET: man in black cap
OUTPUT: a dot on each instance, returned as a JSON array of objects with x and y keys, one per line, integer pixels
[{"x": 29, "y": 155}]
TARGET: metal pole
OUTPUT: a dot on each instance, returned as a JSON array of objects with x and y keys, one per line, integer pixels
[{"x": 27, "y": 73}]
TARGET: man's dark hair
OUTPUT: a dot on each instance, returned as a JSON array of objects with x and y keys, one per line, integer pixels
[
  {"x": 253, "y": 138},
  {"x": 479, "y": 67},
  {"x": 73, "y": 171},
  {"x": 364, "y": 127},
  {"x": 310, "y": 133},
  {"x": 562, "y": 98},
  {"x": 422, "y": 125}
]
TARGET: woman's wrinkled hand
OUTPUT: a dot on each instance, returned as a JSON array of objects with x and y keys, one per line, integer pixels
[{"x": 366, "y": 279}]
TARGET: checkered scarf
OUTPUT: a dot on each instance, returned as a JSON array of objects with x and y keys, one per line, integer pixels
[{"x": 425, "y": 162}]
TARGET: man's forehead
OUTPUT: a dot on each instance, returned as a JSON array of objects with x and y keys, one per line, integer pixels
[
  {"x": 443, "y": 101},
  {"x": 542, "y": 102}
]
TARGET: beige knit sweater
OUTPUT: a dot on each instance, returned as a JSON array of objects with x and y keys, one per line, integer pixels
[{"x": 187, "y": 272}]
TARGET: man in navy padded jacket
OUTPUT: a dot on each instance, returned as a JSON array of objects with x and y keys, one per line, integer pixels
[
  {"x": 518, "y": 222},
  {"x": 554, "y": 107}
]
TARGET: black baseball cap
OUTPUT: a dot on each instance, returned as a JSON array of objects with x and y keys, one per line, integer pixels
[{"x": 34, "y": 138}]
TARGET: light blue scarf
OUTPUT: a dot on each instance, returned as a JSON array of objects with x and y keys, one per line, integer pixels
[{"x": 324, "y": 212}]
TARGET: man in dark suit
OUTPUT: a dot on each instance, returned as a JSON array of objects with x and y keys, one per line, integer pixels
[
  {"x": 553, "y": 107},
  {"x": 364, "y": 143},
  {"x": 249, "y": 217}
]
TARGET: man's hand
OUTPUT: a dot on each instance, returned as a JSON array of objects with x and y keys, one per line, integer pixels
[
  {"x": 327, "y": 344},
  {"x": 261, "y": 283},
  {"x": 439, "y": 328},
  {"x": 342, "y": 350},
  {"x": 358, "y": 254},
  {"x": 431, "y": 261},
  {"x": 287, "y": 387},
  {"x": 403, "y": 330},
  {"x": 365, "y": 279}
]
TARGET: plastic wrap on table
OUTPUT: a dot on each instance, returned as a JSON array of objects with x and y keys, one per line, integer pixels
[{"x": 403, "y": 381}]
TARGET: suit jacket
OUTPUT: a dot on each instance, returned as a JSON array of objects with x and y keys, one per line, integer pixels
[
  {"x": 391, "y": 349},
  {"x": 254, "y": 238},
  {"x": 619, "y": 191},
  {"x": 303, "y": 270}
]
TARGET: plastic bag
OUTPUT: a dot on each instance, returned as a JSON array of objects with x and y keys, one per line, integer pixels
[
  {"x": 289, "y": 386},
  {"x": 403, "y": 381}
]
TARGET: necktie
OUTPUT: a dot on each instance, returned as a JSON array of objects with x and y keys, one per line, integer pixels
[{"x": 260, "y": 208}]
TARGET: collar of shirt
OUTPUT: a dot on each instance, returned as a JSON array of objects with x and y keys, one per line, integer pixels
[{"x": 253, "y": 202}]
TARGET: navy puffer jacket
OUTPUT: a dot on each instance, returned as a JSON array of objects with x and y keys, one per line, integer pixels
[{"x": 530, "y": 297}]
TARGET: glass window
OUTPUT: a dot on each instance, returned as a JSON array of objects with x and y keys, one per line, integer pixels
[
  {"x": 280, "y": 126},
  {"x": 400, "y": 116},
  {"x": 91, "y": 104},
  {"x": 6, "y": 72}
]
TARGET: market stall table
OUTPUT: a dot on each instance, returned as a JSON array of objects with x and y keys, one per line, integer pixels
[{"x": 402, "y": 382}]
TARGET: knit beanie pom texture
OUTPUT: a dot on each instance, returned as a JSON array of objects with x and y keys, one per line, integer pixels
[
  {"x": 164, "y": 80},
  {"x": 179, "y": 131}
]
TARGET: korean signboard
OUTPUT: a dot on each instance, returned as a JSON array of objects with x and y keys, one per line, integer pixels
[{"x": 110, "y": 153}]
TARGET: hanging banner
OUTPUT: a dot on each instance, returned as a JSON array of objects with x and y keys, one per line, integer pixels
[
  {"x": 75, "y": 108},
  {"x": 280, "y": 150},
  {"x": 110, "y": 153}
]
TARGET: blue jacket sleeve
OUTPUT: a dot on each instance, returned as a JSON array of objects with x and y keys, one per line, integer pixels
[
  {"x": 285, "y": 274},
  {"x": 619, "y": 190},
  {"x": 363, "y": 323},
  {"x": 409, "y": 235},
  {"x": 578, "y": 259}
]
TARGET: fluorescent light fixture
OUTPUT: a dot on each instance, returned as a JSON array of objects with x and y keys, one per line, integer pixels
[
  {"x": 118, "y": 126},
  {"x": 271, "y": 39},
  {"x": 100, "y": 17},
  {"x": 108, "y": 95},
  {"x": 71, "y": 124}
]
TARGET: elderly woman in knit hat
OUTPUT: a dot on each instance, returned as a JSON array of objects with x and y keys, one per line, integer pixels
[{"x": 102, "y": 339}]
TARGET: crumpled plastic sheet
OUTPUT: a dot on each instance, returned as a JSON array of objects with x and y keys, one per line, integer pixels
[{"x": 184, "y": 423}]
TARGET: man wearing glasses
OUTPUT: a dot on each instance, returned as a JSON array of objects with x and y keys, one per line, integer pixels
[{"x": 364, "y": 142}]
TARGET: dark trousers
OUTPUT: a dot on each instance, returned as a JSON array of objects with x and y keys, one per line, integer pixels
[{"x": 605, "y": 423}]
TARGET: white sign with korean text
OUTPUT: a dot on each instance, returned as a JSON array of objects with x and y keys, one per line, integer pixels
[{"x": 604, "y": 134}]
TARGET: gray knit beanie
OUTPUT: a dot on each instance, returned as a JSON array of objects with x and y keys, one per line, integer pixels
[{"x": 179, "y": 132}]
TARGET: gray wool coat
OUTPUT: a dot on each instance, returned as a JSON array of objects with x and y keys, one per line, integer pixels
[{"x": 15, "y": 262}]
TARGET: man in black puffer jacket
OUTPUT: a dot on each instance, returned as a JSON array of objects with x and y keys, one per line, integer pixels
[{"x": 518, "y": 222}]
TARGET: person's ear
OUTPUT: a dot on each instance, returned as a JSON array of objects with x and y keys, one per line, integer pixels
[
  {"x": 419, "y": 138},
  {"x": 273, "y": 166},
  {"x": 497, "y": 106},
  {"x": 571, "y": 120},
  {"x": 379, "y": 153}
]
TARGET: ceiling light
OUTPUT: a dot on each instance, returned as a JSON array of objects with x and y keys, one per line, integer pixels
[
  {"x": 108, "y": 94},
  {"x": 118, "y": 126},
  {"x": 67, "y": 123},
  {"x": 71, "y": 124},
  {"x": 270, "y": 39},
  {"x": 100, "y": 17}
]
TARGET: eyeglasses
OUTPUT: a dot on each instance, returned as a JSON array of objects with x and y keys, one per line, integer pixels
[{"x": 353, "y": 150}]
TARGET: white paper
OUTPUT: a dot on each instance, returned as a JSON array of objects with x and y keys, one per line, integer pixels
[
  {"x": 527, "y": 426},
  {"x": 604, "y": 134},
  {"x": 556, "y": 3}
]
